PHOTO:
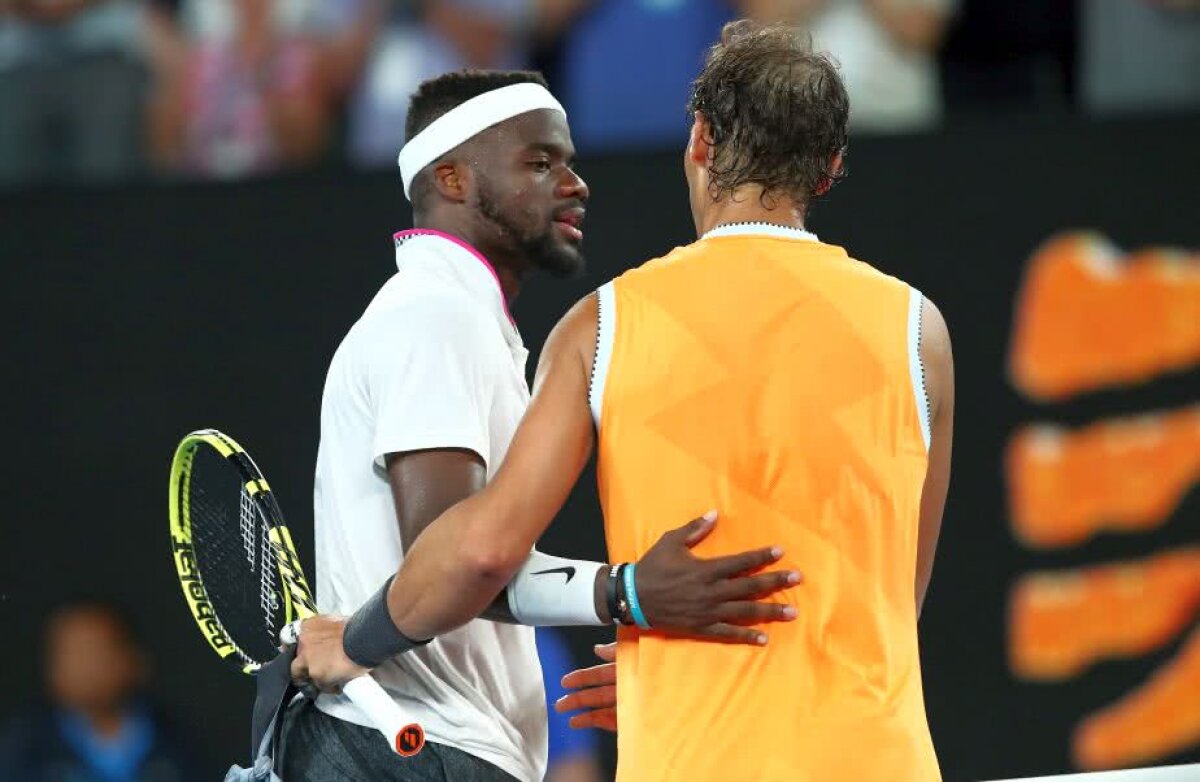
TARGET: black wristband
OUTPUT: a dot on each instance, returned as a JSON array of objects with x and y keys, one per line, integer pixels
[
  {"x": 610, "y": 593},
  {"x": 371, "y": 636}
]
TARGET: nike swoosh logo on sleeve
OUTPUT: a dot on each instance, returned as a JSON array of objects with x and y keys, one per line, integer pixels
[{"x": 567, "y": 571}]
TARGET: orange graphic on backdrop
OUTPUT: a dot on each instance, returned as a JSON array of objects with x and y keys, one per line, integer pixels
[
  {"x": 1060, "y": 623},
  {"x": 1125, "y": 475},
  {"x": 1152, "y": 722},
  {"x": 1088, "y": 319}
]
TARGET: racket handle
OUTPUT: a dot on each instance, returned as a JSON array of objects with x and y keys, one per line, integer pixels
[{"x": 405, "y": 736}]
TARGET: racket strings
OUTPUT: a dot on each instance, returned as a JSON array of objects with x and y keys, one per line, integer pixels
[
  {"x": 247, "y": 518},
  {"x": 268, "y": 595},
  {"x": 235, "y": 557}
]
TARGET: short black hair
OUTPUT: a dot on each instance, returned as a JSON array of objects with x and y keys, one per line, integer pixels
[
  {"x": 777, "y": 112},
  {"x": 439, "y": 95}
]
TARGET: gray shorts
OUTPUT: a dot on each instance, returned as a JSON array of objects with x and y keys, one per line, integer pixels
[{"x": 320, "y": 748}]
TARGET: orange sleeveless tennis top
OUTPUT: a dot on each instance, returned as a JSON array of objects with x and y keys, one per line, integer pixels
[{"x": 768, "y": 375}]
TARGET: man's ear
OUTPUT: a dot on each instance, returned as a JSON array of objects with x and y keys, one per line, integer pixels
[
  {"x": 835, "y": 170},
  {"x": 451, "y": 181},
  {"x": 699, "y": 148}
]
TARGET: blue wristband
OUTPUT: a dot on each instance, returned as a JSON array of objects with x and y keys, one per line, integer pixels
[{"x": 635, "y": 606}]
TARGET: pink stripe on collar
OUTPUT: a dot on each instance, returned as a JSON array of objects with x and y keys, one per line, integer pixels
[{"x": 400, "y": 236}]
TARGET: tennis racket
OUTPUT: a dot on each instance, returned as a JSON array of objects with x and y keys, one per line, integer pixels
[{"x": 240, "y": 572}]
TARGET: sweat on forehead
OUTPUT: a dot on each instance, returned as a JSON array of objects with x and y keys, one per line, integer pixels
[{"x": 539, "y": 129}]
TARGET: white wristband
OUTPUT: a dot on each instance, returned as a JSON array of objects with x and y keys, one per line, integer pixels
[{"x": 551, "y": 590}]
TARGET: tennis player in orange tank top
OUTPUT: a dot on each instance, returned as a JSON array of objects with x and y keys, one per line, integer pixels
[
  {"x": 780, "y": 385},
  {"x": 760, "y": 371}
]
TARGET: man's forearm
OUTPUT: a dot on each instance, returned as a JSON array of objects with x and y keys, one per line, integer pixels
[
  {"x": 545, "y": 591},
  {"x": 450, "y": 575}
]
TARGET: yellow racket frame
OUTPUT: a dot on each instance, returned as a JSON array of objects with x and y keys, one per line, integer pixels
[{"x": 297, "y": 597}]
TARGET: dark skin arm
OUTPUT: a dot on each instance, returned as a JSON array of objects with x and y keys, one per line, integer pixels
[{"x": 425, "y": 484}]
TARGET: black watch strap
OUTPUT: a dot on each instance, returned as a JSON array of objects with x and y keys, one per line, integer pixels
[{"x": 618, "y": 605}]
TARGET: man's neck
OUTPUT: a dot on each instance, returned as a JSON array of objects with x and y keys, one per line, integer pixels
[
  {"x": 748, "y": 206},
  {"x": 508, "y": 268}
]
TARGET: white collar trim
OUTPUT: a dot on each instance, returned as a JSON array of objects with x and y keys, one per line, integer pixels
[{"x": 761, "y": 229}]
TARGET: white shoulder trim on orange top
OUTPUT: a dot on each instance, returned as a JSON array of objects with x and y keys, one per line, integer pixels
[
  {"x": 606, "y": 330},
  {"x": 916, "y": 367}
]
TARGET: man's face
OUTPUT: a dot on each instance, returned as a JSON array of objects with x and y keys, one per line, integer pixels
[{"x": 526, "y": 188}]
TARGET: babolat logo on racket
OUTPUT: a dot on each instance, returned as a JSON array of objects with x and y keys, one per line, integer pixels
[
  {"x": 197, "y": 598},
  {"x": 410, "y": 740}
]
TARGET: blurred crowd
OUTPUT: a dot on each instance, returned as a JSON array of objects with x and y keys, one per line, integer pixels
[
  {"x": 96, "y": 723},
  {"x": 104, "y": 90}
]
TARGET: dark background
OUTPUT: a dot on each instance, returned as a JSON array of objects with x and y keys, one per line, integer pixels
[{"x": 135, "y": 315}]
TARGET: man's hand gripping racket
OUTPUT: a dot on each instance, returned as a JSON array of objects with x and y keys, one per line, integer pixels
[
  {"x": 343, "y": 676},
  {"x": 242, "y": 579}
]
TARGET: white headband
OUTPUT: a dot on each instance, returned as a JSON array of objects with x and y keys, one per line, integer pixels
[{"x": 469, "y": 119}]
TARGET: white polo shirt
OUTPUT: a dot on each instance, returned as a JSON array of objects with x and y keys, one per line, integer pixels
[{"x": 434, "y": 362}]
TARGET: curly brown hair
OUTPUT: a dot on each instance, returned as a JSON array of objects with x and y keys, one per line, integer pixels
[{"x": 776, "y": 112}]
